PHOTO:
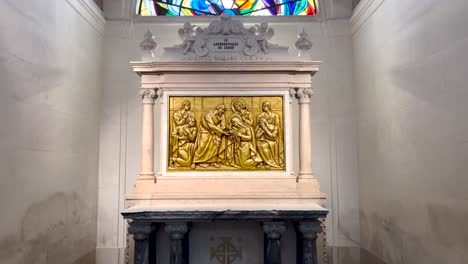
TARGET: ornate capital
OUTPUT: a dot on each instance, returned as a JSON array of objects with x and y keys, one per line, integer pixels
[
  {"x": 304, "y": 95},
  {"x": 176, "y": 230},
  {"x": 159, "y": 94},
  {"x": 292, "y": 94},
  {"x": 310, "y": 230},
  {"x": 274, "y": 230},
  {"x": 148, "y": 95},
  {"x": 140, "y": 230}
]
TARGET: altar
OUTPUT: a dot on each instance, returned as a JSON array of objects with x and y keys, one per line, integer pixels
[{"x": 227, "y": 189}]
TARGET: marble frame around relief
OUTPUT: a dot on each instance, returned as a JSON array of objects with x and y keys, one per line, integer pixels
[{"x": 235, "y": 174}]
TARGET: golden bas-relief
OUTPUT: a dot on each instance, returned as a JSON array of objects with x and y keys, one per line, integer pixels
[{"x": 226, "y": 133}]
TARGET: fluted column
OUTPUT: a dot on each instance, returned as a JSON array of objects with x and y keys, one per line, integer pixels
[
  {"x": 309, "y": 232},
  {"x": 176, "y": 234},
  {"x": 305, "y": 135},
  {"x": 273, "y": 231},
  {"x": 292, "y": 96},
  {"x": 140, "y": 232},
  {"x": 147, "y": 138}
]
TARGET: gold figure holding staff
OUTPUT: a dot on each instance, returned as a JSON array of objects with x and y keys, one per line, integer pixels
[{"x": 210, "y": 143}]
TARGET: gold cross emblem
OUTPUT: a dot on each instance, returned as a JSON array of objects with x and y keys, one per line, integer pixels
[{"x": 226, "y": 252}]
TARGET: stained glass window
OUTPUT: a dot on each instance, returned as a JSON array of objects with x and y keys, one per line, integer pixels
[{"x": 232, "y": 7}]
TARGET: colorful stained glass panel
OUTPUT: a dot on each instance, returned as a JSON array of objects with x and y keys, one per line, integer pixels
[{"x": 232, "y": 7}]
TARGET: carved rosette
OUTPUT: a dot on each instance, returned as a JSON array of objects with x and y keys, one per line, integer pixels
[
  {"x": 148, "y": 95},
  {"x": 304, "y": 95}
]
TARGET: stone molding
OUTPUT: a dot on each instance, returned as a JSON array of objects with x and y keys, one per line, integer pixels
[
  {"x": 362, "y": 12},
  {"x": 90, "y": 12}
]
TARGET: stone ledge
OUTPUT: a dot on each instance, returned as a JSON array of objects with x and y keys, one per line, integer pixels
[{"x": 225, "y": 213}]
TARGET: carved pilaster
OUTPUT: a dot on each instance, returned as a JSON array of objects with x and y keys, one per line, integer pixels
[
  {"x": 147, "y": 139},
  {"x": 309, "y": 231},
  {"x": 305, "y": 135},
  {"x": 140, "y": 232},
  {"x": 273, "y": 231},
  {"x": 177, "y": 233},
  {"x": 292, "y": 96},
  {"x": 160, "y": 94}
]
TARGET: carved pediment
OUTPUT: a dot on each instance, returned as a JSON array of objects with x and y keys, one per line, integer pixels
[{"x": 226, "y": 39}]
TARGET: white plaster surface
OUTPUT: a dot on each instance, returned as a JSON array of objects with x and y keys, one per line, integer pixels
[
  {"x": 50, "y": 86},
  {"x": 333, "y": 127},
  {"x": 411, "y": 80}
]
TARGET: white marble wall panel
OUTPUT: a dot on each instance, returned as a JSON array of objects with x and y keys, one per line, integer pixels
[
  {"x": 410, "y": 78},
  {"x": 50, "y": 86}
]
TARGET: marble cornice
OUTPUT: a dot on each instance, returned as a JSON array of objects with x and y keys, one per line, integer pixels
[{"x": 160, "y": 67}]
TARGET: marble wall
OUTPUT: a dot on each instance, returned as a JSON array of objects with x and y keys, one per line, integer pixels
[
  {"x": 334, "y": 131},
  {"x": 50, "y": 86},
  {"x": 411, "y": 89}
]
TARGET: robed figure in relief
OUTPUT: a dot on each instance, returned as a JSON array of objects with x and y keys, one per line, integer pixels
[
  {"x": 241, "y": 151},
  {"x": 268, "y": 135},
  {"x": 211, "y": 142},
  {"x": 240, "y": 110},
  {"x": 183, "y": 144},
  {"x": 181, "y": 116}
]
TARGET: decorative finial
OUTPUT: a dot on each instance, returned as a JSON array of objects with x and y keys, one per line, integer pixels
[
  {"x": 148, "y": 45},
  {"x": 303, "y": 43}
]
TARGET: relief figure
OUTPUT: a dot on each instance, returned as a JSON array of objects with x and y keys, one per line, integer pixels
[
  {"x": 211, "y": 141},
  {"x": 248, "y": 138},
  {"x": 180, "y": 116},
  {"x": 268, "y": 135},
  {"x": 241, "y": 111},
  {"x": 241, "y": 151},
  {"x": 183, "y": 144}
]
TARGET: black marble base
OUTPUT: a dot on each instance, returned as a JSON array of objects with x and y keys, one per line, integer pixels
[{"x": 176, "y": 223}]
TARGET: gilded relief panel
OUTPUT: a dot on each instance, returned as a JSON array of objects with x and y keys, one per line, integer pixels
[{"x": 226, "y": 133}]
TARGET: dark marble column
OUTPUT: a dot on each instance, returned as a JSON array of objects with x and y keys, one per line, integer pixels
[
  {"x": 309, "y": 232},
  {"x": 273, "y": 232},
  {"x": 177, "y": 233},
  {"x": 140, "y": 232}
]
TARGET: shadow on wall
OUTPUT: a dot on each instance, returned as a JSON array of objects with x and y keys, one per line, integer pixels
[{"x": 55, "y": 230}]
